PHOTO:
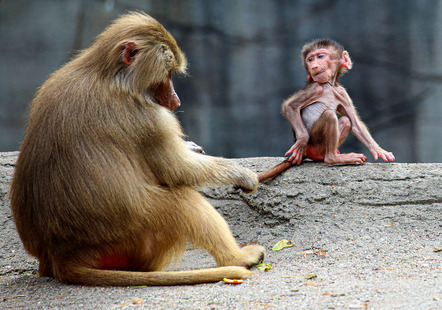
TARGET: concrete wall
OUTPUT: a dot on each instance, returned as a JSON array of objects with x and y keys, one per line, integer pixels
[{"x": 244, "y": 60}]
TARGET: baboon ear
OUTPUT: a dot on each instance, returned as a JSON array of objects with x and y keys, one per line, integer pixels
[
  {"x": 346, "y": 61},
  {"x": 129, "y": 52}
]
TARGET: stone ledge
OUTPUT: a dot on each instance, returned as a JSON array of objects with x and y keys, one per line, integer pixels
[{"x": 379, "y": 225}]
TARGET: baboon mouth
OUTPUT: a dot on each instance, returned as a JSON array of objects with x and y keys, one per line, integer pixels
[{"x": 319, "y": 73}]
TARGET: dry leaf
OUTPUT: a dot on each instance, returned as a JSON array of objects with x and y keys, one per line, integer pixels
[
  {"x": 137, "y": 301},
  {"x": 309, "y": 283},
  {"x": 124, "y": 304},
  {"x": 264, "y": 266},
  {"x": 249, "y": 243},
  {"x": 281, "y": 244},
  {"x": 317, "y": 252},
  {"x": 310, "y": 276},
  {"x": 233, "y": 281},
  {"x": 338, "y": 295},
  {"x": 321, "y": 252}
]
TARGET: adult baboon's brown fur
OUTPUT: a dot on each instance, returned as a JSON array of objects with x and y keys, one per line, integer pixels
[{"x": 103, "y": 188}]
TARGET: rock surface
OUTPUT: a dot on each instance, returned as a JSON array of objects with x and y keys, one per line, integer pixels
[{"x": 370, "y": 235}]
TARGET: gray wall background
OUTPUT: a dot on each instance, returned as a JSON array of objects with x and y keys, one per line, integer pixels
[{"x": 244, "y": 61}]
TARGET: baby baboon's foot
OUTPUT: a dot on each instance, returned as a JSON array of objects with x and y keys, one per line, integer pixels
[{"x": 345, "y": 158}]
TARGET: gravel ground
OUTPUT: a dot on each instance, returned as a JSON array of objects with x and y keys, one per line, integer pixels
[{"x": 364, "y": 237}]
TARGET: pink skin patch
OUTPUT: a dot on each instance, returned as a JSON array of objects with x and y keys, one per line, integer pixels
[{"x": 114, "y": 261}]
